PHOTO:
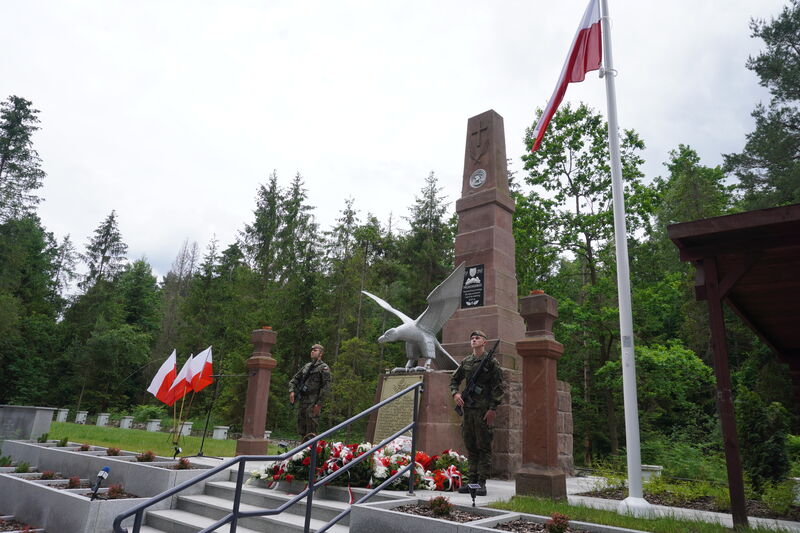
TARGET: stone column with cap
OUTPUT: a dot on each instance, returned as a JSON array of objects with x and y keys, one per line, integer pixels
[
  {"x": 540, "y": 474},
  {"x": 259, "y": 369}
]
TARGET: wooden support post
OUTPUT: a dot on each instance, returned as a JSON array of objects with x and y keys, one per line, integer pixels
[{"x": 724, "y": 395}]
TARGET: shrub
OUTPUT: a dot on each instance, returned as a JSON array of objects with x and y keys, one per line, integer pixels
[
  {"x": 5, "y": 460},
  {"x": 440, "y": 506},
  {"x": 558, "y": 523},
  {"x": 115, "y": 492},
  {"x": 74, "y": 482},
  {"x": 48, "y": 474},
  {"x": 112, "y": 451},
  {"x": 779, "y": 497},
  {"x": 143, "y": 413},
  {"x": 183, "y": 464},
  {"x": 762, "y": 432},
  {"x": 63, "y": 442},
  {"x": 146, "y": 457},
  {"x": 84, "y": 447},
  {"x": 42, "y": 439},
  {"x": 22, "y": 468}
]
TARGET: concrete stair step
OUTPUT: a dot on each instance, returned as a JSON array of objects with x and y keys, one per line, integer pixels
[
  {"x": 323, "y": 509},
  {"x": 179, "y": 521},
  {"x": 214, "y": 507}
]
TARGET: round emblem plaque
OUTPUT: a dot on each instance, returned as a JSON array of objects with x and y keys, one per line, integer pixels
[{"x": 477, "y": 179}]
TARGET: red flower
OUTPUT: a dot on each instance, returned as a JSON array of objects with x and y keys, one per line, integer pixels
[
  {"x": 393, "y": 472},
  {"x": 307, "y": 461},
  {"x": 289, "y": 477},
  {"x": 276, "y": 477}
]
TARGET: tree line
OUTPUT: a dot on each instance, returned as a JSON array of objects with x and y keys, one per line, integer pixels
[{"x": 97, "y": 348}]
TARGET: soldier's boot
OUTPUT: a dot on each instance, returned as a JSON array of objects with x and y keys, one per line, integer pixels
[{"x": 481, "y": 491}]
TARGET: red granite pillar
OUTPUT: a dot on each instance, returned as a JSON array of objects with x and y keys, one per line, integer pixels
[
  {"x": 259, "y": 368},
  {"x": 540, "y": 474}
]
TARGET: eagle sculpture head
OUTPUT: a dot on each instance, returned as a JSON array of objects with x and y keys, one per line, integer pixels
[{"x": 389, "y": 335}]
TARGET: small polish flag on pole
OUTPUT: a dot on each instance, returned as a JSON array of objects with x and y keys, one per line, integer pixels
[
  {"x": 163, "y": 379},
  {"x": 202, "y": 370},
  {"x": 585, "y": 54},
  {"x": 181, "y": 385}
]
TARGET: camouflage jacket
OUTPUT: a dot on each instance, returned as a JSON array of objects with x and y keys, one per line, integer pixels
[
  {"x": 490, "y": 382},
  {"x": 317, "y": 376}
]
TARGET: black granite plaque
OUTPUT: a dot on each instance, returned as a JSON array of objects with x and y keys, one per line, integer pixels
[{"x": 472, "y": 289}]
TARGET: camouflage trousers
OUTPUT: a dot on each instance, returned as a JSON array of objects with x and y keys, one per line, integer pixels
[
  {"x": 306, "y": 422},
  {"x": 478, "y": 441}
]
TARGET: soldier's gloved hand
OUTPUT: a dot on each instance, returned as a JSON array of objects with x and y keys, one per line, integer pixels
[
  {"x": 315, "y": 410},
  {"x": 291, "y": 397},
  {"x": 489, "y": 417},
  {"x": 459, "y": 401}
]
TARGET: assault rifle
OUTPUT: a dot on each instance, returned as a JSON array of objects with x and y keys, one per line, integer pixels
[
  {"x": 472, "y": 387},
  {"x": 303, "y": 388}
]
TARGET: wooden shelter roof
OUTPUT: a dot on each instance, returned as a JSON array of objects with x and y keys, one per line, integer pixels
[{"x": 757, "y": 256}]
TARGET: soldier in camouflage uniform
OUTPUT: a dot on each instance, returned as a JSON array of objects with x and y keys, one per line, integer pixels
[
  {"x": 479, "y": 410},
  {"x": 310, "y": 386}
]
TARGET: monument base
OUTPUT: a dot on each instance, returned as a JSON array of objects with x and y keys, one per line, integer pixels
[
  {"x": 439, "y": 426},
  {"x": 251, "y": 446},
  {"x": 542, "y": 482}
]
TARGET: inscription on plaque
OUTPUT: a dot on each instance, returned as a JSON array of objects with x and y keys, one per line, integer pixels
[
  {"x": 472, "y": 290},
  {"x": 399, "y": 413}
]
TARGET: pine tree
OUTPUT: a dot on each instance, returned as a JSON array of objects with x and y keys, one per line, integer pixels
[
  {"x": 105, "y": 252},
  {"x": 20, "y": 170}
]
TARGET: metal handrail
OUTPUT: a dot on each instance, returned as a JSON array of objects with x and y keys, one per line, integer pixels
[{"x": 232, "y": 518}]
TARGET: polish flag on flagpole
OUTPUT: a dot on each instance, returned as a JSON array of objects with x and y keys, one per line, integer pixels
[
  {"x": 202, "y": 370},
  {"x": 585, "y": 54},
  {"x": 164, "y": 378},
  {"x": 181, "y": 385}
]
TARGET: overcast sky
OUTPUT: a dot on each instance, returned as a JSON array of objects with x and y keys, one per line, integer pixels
[{"x": 172, "y": 113}]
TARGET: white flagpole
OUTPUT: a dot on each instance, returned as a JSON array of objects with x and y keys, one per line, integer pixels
[{"x": 634, "y": 504}]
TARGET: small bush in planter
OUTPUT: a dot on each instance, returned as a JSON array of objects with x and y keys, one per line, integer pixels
[
  {"x": 63, "y": 442},
  {"x": 23, "y": 468},
  {"x": 146, "y": 457},
  {"x": 42, "y": 439},
  {"x": 115, "y": 492},
  {"x": 183, "y": 464},
  {"x": 74, "y": 482},
  {"x": 5, "y": 460},
  {"x": 112, "y": 451},
  {"x": 48, "y": 474},
  {"x": 558, "y": 523},
  {"x": 84, "y": 447},
  {"x": 440, "y": 506}
]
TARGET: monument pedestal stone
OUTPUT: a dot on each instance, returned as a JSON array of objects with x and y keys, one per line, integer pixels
[
  {"x": 259, "y": 368},
  {"x": 439, "y": 426},
  {"x": 540, "y": 475},
  {"x": 485, "y": 242}
]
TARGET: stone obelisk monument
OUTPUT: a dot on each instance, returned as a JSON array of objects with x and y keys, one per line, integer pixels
[{"x": 485, "y": 242}]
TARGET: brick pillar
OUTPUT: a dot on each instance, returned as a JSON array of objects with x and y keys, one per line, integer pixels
[
  {"x": 540, "y": 474},
  {"x": 259, "y": 368}
]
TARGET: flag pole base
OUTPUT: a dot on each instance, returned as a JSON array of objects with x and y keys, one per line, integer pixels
[{"x": 638, "y": 507}]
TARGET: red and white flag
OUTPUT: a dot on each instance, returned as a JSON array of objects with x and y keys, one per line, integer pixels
[
  {"x": 202, "y": 370},
  {"x": 182, "y": 384},
  {"x": 163, "y": 379},
  {"x": 585, "y": 54}
]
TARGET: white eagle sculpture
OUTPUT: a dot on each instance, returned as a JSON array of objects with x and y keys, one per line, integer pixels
[{"x": 420, "y": 334}]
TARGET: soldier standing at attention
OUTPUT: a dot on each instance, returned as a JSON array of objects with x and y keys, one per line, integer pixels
[
  {"x": 310, "y": 386},
  {"x": 479, "y": 409}
]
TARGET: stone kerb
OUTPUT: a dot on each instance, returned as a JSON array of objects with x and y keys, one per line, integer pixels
[
  {"x": 380, "y": 516},
  {"x": 24, "y": 422}
]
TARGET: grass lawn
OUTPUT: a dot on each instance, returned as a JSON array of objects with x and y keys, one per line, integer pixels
[
  {"x": 137, "y": 440},
  {"x": 544, "y": 507}
]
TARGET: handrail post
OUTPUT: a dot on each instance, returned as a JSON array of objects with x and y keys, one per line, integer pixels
[
  {"x": 137, "y": 521},
  {"x": 237, "y": 497},
  {"x": 312, "y": 478},
  {"x": 414, "y": 443}
]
